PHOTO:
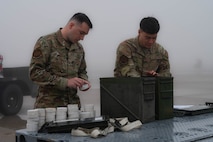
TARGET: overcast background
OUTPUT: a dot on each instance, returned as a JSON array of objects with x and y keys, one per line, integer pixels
[{"x": 186, "y": 30}]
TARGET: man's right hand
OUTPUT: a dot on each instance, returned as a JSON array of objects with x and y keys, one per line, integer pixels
[
  {"x": 76, "y": 82},
  {"x": 152, "y": 73}
]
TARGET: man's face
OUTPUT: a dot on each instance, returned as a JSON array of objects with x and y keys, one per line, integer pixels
[
  {"x": 146, "y": 40},
  {"x": 77, "y": 31}
]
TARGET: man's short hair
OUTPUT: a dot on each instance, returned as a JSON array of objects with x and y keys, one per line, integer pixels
[
  {"x": 150, "y": 25},
  {"x": 81, "y": 17}
]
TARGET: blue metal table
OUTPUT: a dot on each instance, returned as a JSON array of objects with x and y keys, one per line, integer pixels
[{"x": 177, "y": 129}]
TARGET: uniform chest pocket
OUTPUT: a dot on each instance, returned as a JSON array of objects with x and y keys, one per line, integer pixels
[
  {"x": 74, "y": 59},
  {"x": 137, "y": 58},
  {"x": 155, "y": 59},
  {"x": 58, "y": 62}
]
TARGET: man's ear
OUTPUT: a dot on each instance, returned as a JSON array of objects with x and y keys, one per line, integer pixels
[
  {"x": 71, "y": 24},
  {"x": 140, "y": 31}
]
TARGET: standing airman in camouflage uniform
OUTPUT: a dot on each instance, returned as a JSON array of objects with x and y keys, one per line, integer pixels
[
  {"x": 142, "y": 56},
  {"x": 58, "y": 64}
]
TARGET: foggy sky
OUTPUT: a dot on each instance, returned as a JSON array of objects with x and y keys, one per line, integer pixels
[{"x": 186, "y": 30}]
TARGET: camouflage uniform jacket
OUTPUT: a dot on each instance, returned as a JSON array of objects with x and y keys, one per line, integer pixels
[
  {"x": 54, "y": 61},
  {"x": 134, "y": 61}
]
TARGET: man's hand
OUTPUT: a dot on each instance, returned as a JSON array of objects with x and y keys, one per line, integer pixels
[
  {"x": 77, "y": 82},
  {"x": 152, "y": 73}
]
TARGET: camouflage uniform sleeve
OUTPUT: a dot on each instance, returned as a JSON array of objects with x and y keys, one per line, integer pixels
[
  {"x": 124, "y": 65},
  {"x": 164, "y": 67},
  {"x": 38, "y": 71}
]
